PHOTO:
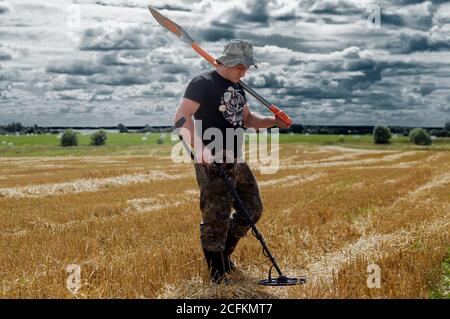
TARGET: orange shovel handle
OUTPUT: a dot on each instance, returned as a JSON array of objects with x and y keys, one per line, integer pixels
[
  {"x": 204, "y": 54},
  {"x": 279, "y": 113}
]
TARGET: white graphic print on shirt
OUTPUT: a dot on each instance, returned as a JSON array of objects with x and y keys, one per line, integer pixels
[{"x": 232, "y": 106}]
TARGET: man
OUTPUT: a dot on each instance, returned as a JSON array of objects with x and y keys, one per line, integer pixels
[{"x": 217, "y": 100}]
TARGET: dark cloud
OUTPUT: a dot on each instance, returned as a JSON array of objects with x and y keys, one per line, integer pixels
[
  {"x": 120, "y": 37},
  {"x": 412, "y": 70},
  {"x": 134, "y": 4},
  {"x": 408, "y": 43},
  {"x": 5, "y": 7},
  {"x": 408, "y": 2},
  {"x": 118, "y": 75},
  {"x": 286, "y": 17},
  {"x": 345, "y": 75},
  {"x": 113, "y": 78},
  {"x": 76, "y": 110},
  {"x": 295, "y": 61},
  {"x": 422, "y": 23},
  {"x": 74, "y": 67},
  {"x": 313, "y": 92},
  {"x": 303, "y": 49},
  {"x": 268, "y": 80},
  {"x": 361, "y": 65},
  {"x": 172, "y": 7},
  {"x": 381, "y": 100},
  {"x": 5, "y": 53},
  {"x": 371, "y": 71},
  {"x": 143, "y": 112},
  {"x": 214, "y": 34},
  {"x": 65, "y": 83},
  {"x": 336, "y": 7},
  {"x": 175, "y": 69},
  {"x": 417, "y": 17},
  {"x": 5, "y": 56},
  {"x": 102, "y": 94},
  {"x": 88, "y": 109},
  {"x": 221, "y": 25},
  {"x": 255, "y": 11},
  {"x": 333, "y": 20},
  {"x": 10, "y": 74},
  {"x": 298, "y": 44},
  {"x": 163, "y": 56},
  {"x": 122, "y": 57},
  {"x": 69, "y": 95},
  {"x": 160, "y": 90},
  {"x": 63, "y": 96},
  {"x": 425, "y": 89},
  {"x": 168, "y": 78},
  {"x": 392, "y": 19}
]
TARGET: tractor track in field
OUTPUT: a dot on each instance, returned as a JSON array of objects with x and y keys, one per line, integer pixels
[{"x": 83, "y": 185}]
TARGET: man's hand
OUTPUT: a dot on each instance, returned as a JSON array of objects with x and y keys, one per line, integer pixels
[
  {"x": 257, "y": 121},
  {"x": 279, "y": 122}
]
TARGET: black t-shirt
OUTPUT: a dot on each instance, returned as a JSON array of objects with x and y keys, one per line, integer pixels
[{"x": 221, "y": 106}]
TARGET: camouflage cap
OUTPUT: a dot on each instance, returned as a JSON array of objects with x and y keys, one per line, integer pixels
[{"x": 238, "y": 51}]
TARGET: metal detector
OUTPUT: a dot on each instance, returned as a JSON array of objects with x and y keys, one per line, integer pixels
[{"x": 282, "y": 280}]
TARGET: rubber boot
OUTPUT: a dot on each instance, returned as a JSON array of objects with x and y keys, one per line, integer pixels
[
  {"x": 216, "y": 267},
  {"x": 230, "y": 246}
]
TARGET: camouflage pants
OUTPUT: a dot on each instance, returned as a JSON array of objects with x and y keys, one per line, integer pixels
[{"x": 216, "y": 203}]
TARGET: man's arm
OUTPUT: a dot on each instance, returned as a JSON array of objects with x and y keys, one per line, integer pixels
[
  {"x": 187, "y": 109},
  {"x": 257, "y": 121}
]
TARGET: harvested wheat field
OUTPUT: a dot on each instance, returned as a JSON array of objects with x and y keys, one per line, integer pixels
[{"x": 132, "y": 225}]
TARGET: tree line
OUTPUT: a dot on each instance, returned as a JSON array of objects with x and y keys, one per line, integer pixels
[{"x": 17, "y": 127}]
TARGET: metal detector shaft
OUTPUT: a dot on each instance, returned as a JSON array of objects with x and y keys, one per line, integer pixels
[{"x": 255, "y": 230}]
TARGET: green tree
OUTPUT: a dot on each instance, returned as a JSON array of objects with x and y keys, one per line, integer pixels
[
  {"x": 98, "y": 138},
  {"x": 69, "y": 138},
  {"x": 146, "y": 129},
  {"x": 122, "y": 128},
  {"x": 14, "y": 127},
  {"x": 419, "y": 136},
  {"x": 381, "y": 134},
  {"x": 447, "y": 127}
]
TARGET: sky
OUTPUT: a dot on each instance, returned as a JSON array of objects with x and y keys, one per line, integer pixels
[{"x": 324, "y": 62}]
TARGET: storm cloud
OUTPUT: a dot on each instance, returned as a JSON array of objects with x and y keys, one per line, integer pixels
[
  {"x": 116, "y": 36},
  {"x": 5, "y": 7},
  {"x": 74, "y": 67},
  {"x": 318, "y": 59}
]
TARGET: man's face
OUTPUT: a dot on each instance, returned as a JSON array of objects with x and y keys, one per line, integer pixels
[{"x": 237, "y": 72}]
